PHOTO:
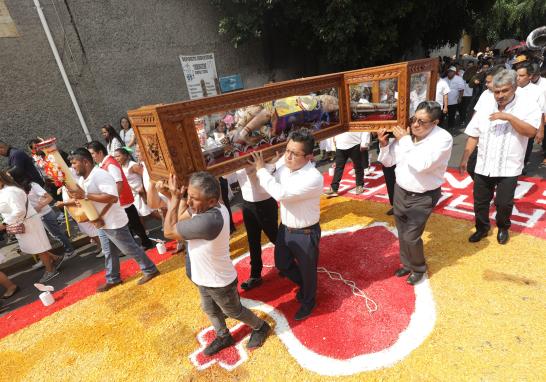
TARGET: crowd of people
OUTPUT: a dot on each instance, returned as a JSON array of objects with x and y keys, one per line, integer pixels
[{"x": 502, "y": 112}]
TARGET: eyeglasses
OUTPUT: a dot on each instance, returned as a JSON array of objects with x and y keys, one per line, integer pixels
[
  {"x": 420, "y": 122},
  {"x": 294, "y": 154}
]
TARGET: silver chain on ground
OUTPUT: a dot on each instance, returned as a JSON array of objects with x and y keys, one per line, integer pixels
[{"x": 371, "y": 305}]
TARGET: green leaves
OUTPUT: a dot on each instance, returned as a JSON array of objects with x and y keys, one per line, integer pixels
[{"x": 345, "y": 34}]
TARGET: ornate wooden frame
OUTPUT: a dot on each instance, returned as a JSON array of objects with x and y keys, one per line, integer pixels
[
  {"x": 398, "y": 71},
  {"x": 168, "y": 139}
]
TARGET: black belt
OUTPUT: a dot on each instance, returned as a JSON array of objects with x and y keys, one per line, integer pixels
[
  {"x": 305, "y": 230},
  {"x": 411, "y": 193}
]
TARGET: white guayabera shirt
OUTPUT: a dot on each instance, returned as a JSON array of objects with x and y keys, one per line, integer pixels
[{"x": 501, "y": 148}]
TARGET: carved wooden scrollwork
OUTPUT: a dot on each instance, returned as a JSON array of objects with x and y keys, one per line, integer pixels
[{"x": 168, "y": 138}]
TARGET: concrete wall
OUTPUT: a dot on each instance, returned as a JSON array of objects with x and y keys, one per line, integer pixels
[{"x": 118, "y": 54}]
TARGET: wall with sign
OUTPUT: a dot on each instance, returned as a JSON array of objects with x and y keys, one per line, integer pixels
[{"x": 118, "y": 55}]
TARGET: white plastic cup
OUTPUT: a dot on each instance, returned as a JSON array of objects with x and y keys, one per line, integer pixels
[
  {"x": 47, "y": 298},
  {"x": 161, "y": 249}
]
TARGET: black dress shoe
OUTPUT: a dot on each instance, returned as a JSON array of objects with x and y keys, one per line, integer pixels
[
  {"x": 477, "y": 236},
  {"x": 502, "y": 236},
  {"x": 303, "y": 312},
  {"x": 414, "y": 278},
  {"x": 401, "y": 272},
  {"x": 251, "y": 283}
]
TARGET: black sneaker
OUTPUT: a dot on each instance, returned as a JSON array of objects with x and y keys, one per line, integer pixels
[
  {"x": 258, "y": 336},
  {"x": 218, "y": 344}
]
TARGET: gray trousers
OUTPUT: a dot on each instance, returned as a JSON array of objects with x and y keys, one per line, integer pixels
[
  {"x": 411, "y": 212},
  {"x": 225, "y": 301}
]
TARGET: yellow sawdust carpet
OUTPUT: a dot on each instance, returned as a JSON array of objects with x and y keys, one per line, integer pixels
[{"x": 490, "y": 319}]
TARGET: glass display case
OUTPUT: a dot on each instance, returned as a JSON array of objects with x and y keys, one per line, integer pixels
[{"x": 218, "y": 133}]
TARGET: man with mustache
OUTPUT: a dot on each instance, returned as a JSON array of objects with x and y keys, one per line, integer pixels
[{"x": 502, "y": 126}]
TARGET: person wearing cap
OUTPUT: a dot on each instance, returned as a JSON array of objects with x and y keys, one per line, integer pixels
[
  {"x": 455, "y": 95},
  {"x": 502, "y": 126}
]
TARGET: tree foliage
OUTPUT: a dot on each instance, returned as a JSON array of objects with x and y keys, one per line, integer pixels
[
  {"x": 509, "y": 19},
  {"x": 347, "y": 34}
]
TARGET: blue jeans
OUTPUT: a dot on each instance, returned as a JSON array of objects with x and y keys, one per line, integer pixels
[
  {"x": 122, "y": 238},
  {"x": 54, "y": 229}
]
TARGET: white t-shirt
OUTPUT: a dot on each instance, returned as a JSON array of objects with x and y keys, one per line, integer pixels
[
  {"x": 541, "y": 83},
  {"x": 456, "y": 84},
  {"x": 207, "y": 235},
  {"x": 442, "y": 88},
  {"x": 534, "y": 93},
  {"x": 100, "y": 181},
  {"x": 486, "y": 98},
  {"x": 34, "y": 196},
  {"x": 345, "y": 141},
  {"x": 501, "y": 148}
]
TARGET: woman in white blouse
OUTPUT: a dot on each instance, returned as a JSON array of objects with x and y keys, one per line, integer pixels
[
  {"x": 15, "y": 209},
  {"x": 112, "y": 139},
  {"x": 127, "y": 134}
]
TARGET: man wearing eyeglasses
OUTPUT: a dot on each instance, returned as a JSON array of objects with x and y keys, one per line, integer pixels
[
  {"x": 502, "y": 126},
  {"x": 297, "y": 185},
  {"x": 421, "y": 154}
]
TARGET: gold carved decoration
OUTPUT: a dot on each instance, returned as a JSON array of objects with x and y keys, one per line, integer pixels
[{"x": 169, "y": 140}]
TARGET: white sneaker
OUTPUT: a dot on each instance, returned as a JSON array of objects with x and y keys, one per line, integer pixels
[
  {"x": 69, "y": 255},
  {"x": 368, "y": 171},
  {"x": 99, "y": 255},
  {"x": 48, "y": 276},
  {"x": 38, "y": 265}
]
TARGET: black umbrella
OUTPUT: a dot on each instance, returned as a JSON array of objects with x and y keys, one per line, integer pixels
[{"x": 502, "y": 45}]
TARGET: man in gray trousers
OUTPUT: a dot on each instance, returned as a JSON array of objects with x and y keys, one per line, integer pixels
[
  {"x": 204, "y": 223},
  {"x": 421, "y": 153}
]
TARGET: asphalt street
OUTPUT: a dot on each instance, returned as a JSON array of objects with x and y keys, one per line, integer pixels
[{"x": 85, "y": 263}]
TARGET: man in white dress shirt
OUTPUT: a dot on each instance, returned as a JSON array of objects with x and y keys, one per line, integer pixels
[
  {"x": 533, "y": 93},
  {"x": 442, "y": 90},
  {"x": 455, "y": 96},
  {"x": 297, "y": 185},
  {"x": 502, "y": 127},
  {"x": 541, "y": 83},
  {"x": 260, "y": 213},
  {"x": 349, "y": 145},
  {"x": 421, "y": 154}
]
